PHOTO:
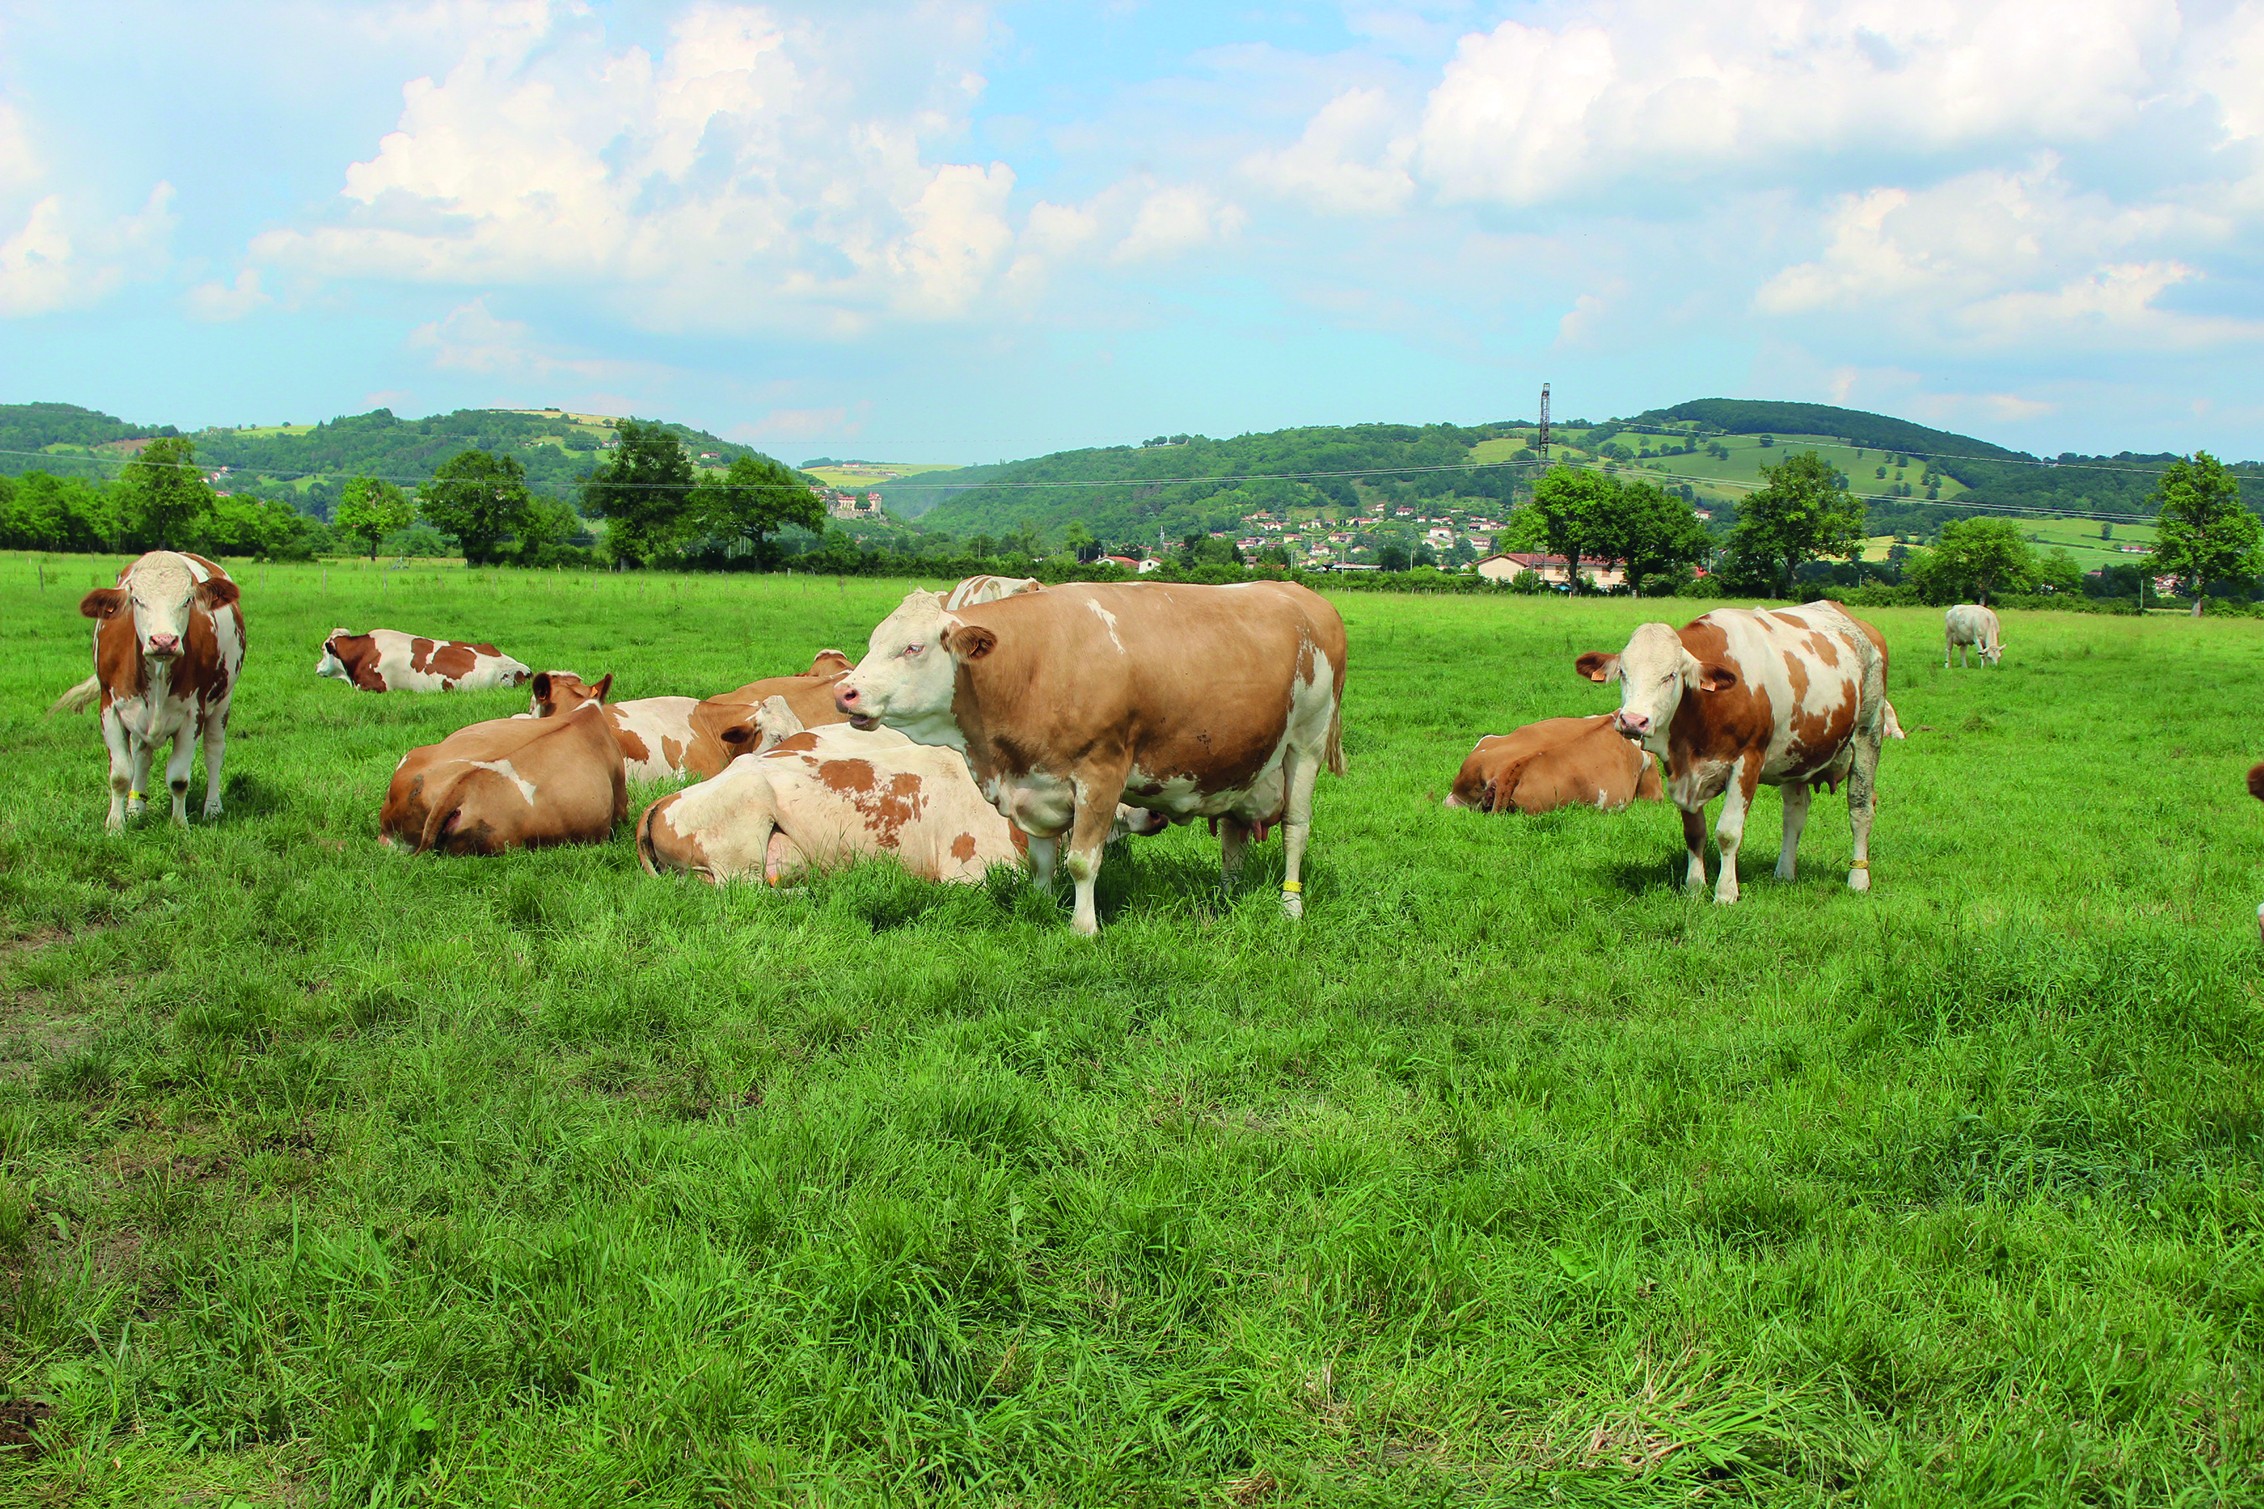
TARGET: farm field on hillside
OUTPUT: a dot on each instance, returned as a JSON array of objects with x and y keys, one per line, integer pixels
[{"x": 1511, "y": 1173}]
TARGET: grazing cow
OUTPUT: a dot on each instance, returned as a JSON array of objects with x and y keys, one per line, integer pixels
[
  {"x": 1790, "y": 697},
  {"x": 723, "y": 726},
  {"x": 2256, "y": 789},
  {"x": 163, "y": 671},
  {"x": 1558, "y": 762},
  {"x": 1216, "y": 702},
  {"x": 655, "y": 733},
  {"x": 387, "y": 660},
  {"x": 977, "y": 590},
  {"x": 510, "y": 783},
  {"x": 825, "y": 797},
  {"x": 1970, "y": 624}
]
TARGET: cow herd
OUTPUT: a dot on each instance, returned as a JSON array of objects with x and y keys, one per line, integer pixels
[{"x": 1009, "y": 723}]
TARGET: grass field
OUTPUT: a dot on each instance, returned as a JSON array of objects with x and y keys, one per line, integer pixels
[
  {"x": 873, "y": 473},
  {"x": 1510, "y": 1175}
]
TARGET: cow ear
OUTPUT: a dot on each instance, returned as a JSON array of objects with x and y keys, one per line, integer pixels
[
  {"x": 970, "y": 641},
  {"x": 1716, "y": 678},
  {"x": 103, "y": 602},
  {"x": 1597, "y": 666},
  {"x": 738, "y": 735},
  {"x": 604, "y": 685},
  {"x": 218, "y": 593},
  {"x": 540, "y": 686}
]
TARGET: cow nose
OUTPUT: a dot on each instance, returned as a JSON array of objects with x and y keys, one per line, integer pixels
[
  {"x": 1631, "y": 723},
  {"x": 164, "y": 644},
  {"x": 845, "y": 698}
]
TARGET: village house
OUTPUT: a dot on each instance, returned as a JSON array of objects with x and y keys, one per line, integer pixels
[{"x": 1550, "y": 569}]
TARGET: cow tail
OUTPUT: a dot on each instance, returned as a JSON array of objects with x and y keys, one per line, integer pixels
[
  {"x": 441, "y": 815},
  {"x": 1332, "y": 751},
  {"x": 647, "y": 858},
  {"x": 79, "y": 698},
  {"x": 1889, "y": 724}
]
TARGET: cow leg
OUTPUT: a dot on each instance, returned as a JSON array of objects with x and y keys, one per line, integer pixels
[
  {"x": 1862, "y": 801},
  {"x": 1043, "y": 852},
  {"x": 1302, "y": 768},
  {"x": 1796, "y": 799},
  {"x": 1088, "y": 840},
  {"x": 215, "y": 746},
  {"x": 177, "y": 766},
  {"x": 137, "y": 800},
  {"x": 1694, "y": 839},
  {"x": 120, "y": 744},
  {"x": 1730, "y": 831},
  {"x": 1233, "y": 842}
]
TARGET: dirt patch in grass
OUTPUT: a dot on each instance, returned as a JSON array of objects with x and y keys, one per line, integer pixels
[{"x": 20, "y": 1420}]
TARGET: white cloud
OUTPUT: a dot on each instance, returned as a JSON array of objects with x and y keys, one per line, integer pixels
[
  {"x": 472, "y": 338},
  {"x": 1527, "y": 113},
  {"x": 747, "y": 173},
  {"x": 221, "y": 302},
  {"x": 57, "y": 262},
  {"x": 1178, "y": 218},
  {"x": 2006, "y": 257},
  {"x": 1350, "y": 160},
  {"x": 19, "y": 164}
]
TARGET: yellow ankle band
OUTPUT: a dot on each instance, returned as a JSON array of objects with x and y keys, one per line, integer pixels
[{"x": 1292, "y": 887}]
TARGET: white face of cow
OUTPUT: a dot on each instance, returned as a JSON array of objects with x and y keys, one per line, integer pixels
[
  {"x": 907, "y": 677},
  {"x": 161, "y": 592},
  {"x": 330, "y": 664},
  {"x": 1653, "y": 672}
]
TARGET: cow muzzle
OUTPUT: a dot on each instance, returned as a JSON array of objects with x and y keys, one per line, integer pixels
[
  {"x": 850, "y": 701},
  {"x": 164, "y": 646},
  {"x": 1630, "y": 725}
]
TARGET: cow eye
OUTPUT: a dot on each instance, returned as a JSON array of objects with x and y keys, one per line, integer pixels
[{"x": 914, "y": 649}]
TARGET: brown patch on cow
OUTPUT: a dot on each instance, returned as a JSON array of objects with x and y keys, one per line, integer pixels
[
  {"x": 1718, "y": 725},
  {"x": 810, "y": 698},
  {"x": 801, "y": 743},
  {"x": 632, "y": 748},
  {"x": 829, "y": 663},
  {"x": 1020, "y": 840},
  {"x": 963, "y": 847},
  {"x": 450, "y": 661},
  {"x": 672, "y": 750},
  {"x": 1820, "y": 645},
  {"x": 1796, "y": 671},
  {"x": 358, "y": 653},
  {"x": 1818, "y": 737},
  {"x": 846, "y": 776}
]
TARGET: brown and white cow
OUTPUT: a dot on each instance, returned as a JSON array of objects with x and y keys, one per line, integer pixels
[
  {"x": 822, "y": 798},
  {"x": 509, "y": 783},
  {"x": 655, "y": 733},
  {"x": 387, "y": 660},
  {"x": 1743, "y": 698},
  {"x": 1557, "y": 762},
  {"x": 1215, "y": 702},
  {"x": 723, "y": 725},
  {"x": 974, "y": 591},
  {"x": 168, "y": 647}
]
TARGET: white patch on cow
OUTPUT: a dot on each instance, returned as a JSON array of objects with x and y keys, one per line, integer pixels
[
  {"x": 1108, "y": 622},
  {"x": 504, "y": 769},
  {"x": 330, "y": 665}
]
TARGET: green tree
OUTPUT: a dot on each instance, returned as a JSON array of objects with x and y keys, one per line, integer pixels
[
  {"x": 549, "y": 524},
  {"x": 479, "y": 498},
  {"x": 1652, "y": 531},
  {"x": 163, "y": 501},
  {"x": 2203, "y": 534},
  {"x": 1803, "y": 512},
  {"x": 754, "y": 499},
  {"x": 643, "y": 491},
  {"x": 1078, "y": 541},
  {"x": 1566, "y": 516},
  {"x": 371, "y": 509},
  {"x": 1977, "y": 557},
  {"x": 2060, "y": 573}
]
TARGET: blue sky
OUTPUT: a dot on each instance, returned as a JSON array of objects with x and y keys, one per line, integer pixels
[{"x": 968, "y": 231}]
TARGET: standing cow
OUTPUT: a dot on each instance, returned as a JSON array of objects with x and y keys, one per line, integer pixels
[
  {"x": 168, "y": 646},
  {"x": 1216, "y": 702},
  {"x": 1742, "y": 698},
  {"x": 387, "y": 660},
  {"x": 1970, "y": 624}
]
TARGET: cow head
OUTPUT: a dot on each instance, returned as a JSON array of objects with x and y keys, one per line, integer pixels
[
  {"x": 331, "y": 664},
  {"x": 1653, "y": 673},
  {"x": 1993, "y": 653},
  {"x": 910, "y": 670},
  {"x": 829, "y": 663},
  {"x": 563, "y": 691},
  {"x": 162, "y": 591},
  {"x": 770, "y": 724}
]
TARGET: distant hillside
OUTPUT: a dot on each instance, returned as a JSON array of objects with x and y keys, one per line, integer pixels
[
  {"x": 1136, "y": 494},
  {"x": 1745, "y": 416},
  {"x": 308, "y": 463}
]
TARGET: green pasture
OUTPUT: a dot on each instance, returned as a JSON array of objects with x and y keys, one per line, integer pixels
[
  {"x": 1511, "y": 1175},
  {"x": 847, "y": 477}
]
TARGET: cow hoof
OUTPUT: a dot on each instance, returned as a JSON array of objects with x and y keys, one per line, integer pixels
[
  {"x": 1084, "y": 928},
  {"x": 212, "y": 809},
  {"x": 1292, "y": 905},
  {"x": 1725, "y": 898},
  {"x": 1859, "y": 880}
]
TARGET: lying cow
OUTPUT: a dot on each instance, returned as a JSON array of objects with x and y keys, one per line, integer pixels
[
  {"x": 387, "y": 660},
  {"x": 722, "y": 725},
  {"x": 511, "y": 783},
  {"x": 1558, "y": 762},
  {"x": 1742, "y": 698},
  {"x": 654, "y": 733},
  {"x": 1216, "y": 702},
  {"x": 818, "y": 799},
  {"x": 977, "y": 590},
  {"x": 1970, "y": 624},
  {"x": 168, "y": 647}
]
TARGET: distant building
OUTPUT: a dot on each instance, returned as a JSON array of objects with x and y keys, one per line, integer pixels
[
  {"x": 1148, "y": 565},
  {"x": 1549, "y": 568},
  {"x": 1121, "y": 562}
]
